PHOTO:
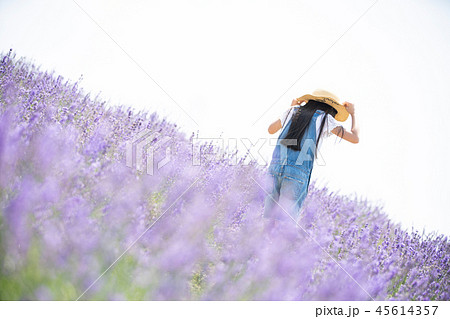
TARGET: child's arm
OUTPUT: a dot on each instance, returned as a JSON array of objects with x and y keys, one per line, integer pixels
[
  {"x": 275, "y": 127},
  {"x": 353, "y": 135}
]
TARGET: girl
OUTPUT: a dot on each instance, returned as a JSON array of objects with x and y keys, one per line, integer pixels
[{"x": 292, "y": 160}]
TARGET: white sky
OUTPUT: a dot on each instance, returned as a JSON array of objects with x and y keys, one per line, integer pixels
[{"x": 227, "y": 62}]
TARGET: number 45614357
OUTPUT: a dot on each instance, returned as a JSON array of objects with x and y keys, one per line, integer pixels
[{"x": 401, "y": 310}]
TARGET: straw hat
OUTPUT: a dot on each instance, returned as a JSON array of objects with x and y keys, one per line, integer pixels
[{"x": 330, "y": 99}]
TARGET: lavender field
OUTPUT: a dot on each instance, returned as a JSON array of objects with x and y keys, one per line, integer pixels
[{"x": 70, "y": 207}]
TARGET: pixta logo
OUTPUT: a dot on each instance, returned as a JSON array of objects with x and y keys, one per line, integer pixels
[
  {"x": 142, "y": 149},
  {"x": 214, "y": 148}
]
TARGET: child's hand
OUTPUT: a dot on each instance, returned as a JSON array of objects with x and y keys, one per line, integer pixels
[
  {"x": 349, "y": 107},
  {"x": 296, "y": 102}
]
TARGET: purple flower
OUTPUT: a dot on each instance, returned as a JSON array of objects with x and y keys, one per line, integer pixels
[{"x": 70, "y": 208}]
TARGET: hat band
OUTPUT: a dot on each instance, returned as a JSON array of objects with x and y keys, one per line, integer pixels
[{"x": 326, "y": 99}]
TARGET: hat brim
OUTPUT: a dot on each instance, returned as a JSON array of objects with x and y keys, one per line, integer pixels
[{"x": 342, "y": 113}]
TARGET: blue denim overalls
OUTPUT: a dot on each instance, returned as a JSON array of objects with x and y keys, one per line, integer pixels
[{"x": 291, "y": 172}]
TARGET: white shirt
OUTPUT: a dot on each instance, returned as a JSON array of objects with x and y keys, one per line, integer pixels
[{"x": 329, "y": 125}]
